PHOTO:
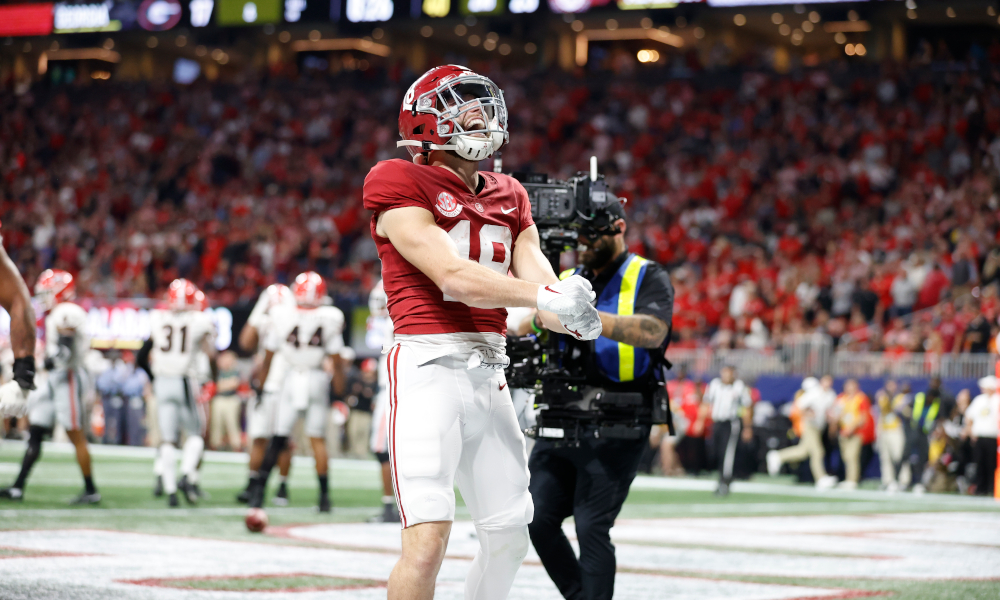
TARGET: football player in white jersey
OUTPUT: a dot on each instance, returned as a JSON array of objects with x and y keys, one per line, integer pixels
[
  {"x": 66, "y": 343},
  {"x": 305, "y": 336},
  {"x": 262, "y": 411},
  {"x": 177, "y": 335},
  {"x": 379, "y": 335}
]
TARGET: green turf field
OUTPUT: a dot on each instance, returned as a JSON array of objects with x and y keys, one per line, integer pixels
[{"x": 128, "y": 505}]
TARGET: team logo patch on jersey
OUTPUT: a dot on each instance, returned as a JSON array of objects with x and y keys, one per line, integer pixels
[
  {"x": 479, "y": 207},
  {"x": 447, "y": 205}
]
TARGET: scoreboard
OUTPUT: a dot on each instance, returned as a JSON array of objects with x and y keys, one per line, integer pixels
[{"x": 31, "y": 19}]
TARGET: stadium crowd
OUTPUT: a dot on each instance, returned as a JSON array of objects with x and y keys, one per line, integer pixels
[{"x": 855, "y": 201}]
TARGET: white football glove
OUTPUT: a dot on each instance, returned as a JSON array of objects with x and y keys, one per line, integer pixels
[
  {"x": 13, "y": 400},
  {"x": 584, "y": 327},
  {"x": 570, "y": 300}
]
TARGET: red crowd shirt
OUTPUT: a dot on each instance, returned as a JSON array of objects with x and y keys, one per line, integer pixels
[{"x": 484, "y": 227}]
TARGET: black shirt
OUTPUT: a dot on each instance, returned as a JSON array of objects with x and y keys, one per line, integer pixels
[
  {"x": 655, "y": 298},
  {"x": 977, "y": 335},
  {"x": 656, "y": 292}
]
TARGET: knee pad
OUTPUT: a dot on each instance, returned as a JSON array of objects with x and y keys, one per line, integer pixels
[
  {"x": 426, "y": 506},
  {"x": 511, "y": 542},
  {"x": 519, "y": 512}
]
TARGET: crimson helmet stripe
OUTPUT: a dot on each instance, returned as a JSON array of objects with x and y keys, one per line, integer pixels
[
  {"x": 309, "y": 288},
  {"x": 55, "y": 286},
  {"x": 184, "y": 295},
  {"x": 428, "y": 117}
]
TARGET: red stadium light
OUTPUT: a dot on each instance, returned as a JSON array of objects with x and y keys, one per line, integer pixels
[{"x": 26, "y": 19}]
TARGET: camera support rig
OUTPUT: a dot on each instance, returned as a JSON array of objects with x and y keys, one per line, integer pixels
[{"x": 562, "y": 211}]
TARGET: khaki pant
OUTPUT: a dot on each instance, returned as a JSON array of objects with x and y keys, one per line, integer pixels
[
  {"x": 891, "y": 443},
  {"x": 359, "y": 428},
  {"x": 850, "y": 453},
  {"x": 225, "y": 422},
  {"x": 810, "y": 446}
]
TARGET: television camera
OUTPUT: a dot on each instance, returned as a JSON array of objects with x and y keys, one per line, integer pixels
[{"x": 570, "y": 405}]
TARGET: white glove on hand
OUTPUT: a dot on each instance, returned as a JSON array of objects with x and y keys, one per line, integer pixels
[
  {"x": 584, "y": 327},
  {"x": 13, "y": 400},
  {"x": 570, "y": 300}
]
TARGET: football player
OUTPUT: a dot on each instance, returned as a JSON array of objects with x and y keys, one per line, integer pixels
[
  {"x": 16, "y": 301},
  {"x": 66, "y": 343},
  {"x": 305, "y": 336},
  {"x": 449, "y": 238},
  {"x": 177, "y": 336},
  {"x": 379, "y": 335},
  {"x": 262, "y": 412}
]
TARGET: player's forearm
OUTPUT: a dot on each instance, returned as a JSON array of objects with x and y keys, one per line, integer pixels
[
  {"x": 248, "y": 338},
  {"x": 16, "y": 300},
  {"x": 550, "y": 321},
  {"x": 641, "y": 331},
  {"x": 22, "y": 327},
  {"x": 339, "y": 376},
  {"x": 479, "y": 287}
]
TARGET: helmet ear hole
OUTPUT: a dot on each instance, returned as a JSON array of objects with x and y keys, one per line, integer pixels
[{"x": 419, "y": 129}]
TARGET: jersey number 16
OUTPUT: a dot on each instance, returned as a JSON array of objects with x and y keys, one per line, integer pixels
[{"x": 495, "y": 242}]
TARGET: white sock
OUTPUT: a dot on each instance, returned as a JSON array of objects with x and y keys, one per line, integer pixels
[
  {"x": 192, "y": 456},
  {"x": 158, "y": 463},
  {"x": 500, "y": 554},
  {"x": 168, "y": 466}
]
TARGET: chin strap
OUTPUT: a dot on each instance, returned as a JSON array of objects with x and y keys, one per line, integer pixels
[{"x": 425, "y": 146}]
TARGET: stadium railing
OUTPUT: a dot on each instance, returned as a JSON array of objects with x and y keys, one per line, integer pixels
[{"x": 813, "y": 354}]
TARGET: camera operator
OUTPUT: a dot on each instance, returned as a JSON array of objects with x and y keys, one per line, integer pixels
[{"x": 590, "y": 481}]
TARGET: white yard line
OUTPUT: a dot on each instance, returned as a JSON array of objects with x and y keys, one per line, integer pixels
[{"x": 145, "y": 453}]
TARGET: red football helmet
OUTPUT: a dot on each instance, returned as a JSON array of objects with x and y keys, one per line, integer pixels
[
  {"x": 200, "y": 300},
  {"x": 428, "y": 119},
  {"x": 278, "y": 294},
  {"x": 183, "y": 295},
  {"x": 309, "y": 289},
  {"x": 54, "y": 286}
]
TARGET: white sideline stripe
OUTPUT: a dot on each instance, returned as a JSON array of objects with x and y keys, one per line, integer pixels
[
  {"x": 647, "y": 482},
  {"x": 143, "y": 452},
  {"x": 185, "y": 512}
]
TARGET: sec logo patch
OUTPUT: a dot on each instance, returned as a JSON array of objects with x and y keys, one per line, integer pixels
[{"x": 447, "y": 205}]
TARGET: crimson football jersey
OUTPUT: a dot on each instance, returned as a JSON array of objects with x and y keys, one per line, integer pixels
[{"x": 483, "y": 226}]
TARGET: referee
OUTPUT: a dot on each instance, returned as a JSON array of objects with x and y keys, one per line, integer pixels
[{"x": 729, "y": 398}]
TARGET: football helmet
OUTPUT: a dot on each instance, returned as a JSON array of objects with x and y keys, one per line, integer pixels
[
  {"x": 183, "y": 295},
  {"x": 309, "y": 289},
  {"x": 378, "y": 301},
  {"x": 428, "y": 119},
  {"x": 54, "y": 286},
  {"x": 278, "y": 294},
  {"x": 200, "y": 301}
]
